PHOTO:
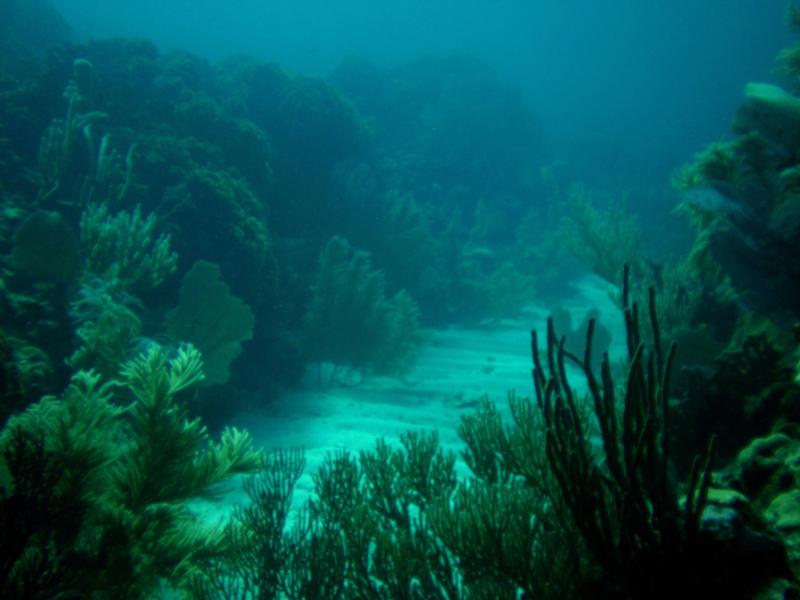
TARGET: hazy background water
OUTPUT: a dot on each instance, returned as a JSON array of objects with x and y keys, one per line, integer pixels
[{"x": 649, "y": 82}]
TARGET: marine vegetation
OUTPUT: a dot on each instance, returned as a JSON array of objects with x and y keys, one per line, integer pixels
[
  {"x": 544, "y": 513},
  {"x": 625, "y": 505},
  {"x": 351, "y": 323},
  {"x": 173, "y": 240},
  {"x": 604, "y": 241},
  {"x": 212, "y": 319},
  {"x": 95, "y": 483},
  {"x": 741, "y": 198}
]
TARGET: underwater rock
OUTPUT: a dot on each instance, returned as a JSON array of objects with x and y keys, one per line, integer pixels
[
  {"x": 744, "y": 392},
  {"x": 767, "y": 467},
  {"x": 784, "y": 512},
  {"x": 46, "y": 249},
  {"x": 771, "y": 112},
  {"x": 745, "y": 555},
  {"x": 768, "y": 471}
]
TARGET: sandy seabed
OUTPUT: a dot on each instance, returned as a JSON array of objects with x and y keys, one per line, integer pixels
[{"x": 456, "y": 367}]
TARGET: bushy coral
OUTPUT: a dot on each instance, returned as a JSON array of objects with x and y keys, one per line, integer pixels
[
  {"x": 603, "y": 240},
  {"x": 223, "y": 220},
  {"x": 106, "y": 327},
  {"x": 310, "y": 122},
  {"x": 125, "y": 249},
  {"x": 741, "y": 196},
  {"x": 350, "y": 321},
  {"x": 448, "y": 120},
  {"x": 365, "y": 534},
  {"x": 98, "y": 480}
]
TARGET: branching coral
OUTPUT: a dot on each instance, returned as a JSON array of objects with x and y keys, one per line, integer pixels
[
  {"x": 106, "y": 327},
  {"x": 364, "y": 535},
  {"x": 259, "y": 553},
  {"x": 124, "y": 248},
  {"x": 624, "y": 502},
  {"x": 503, "y": 540},
  {"x": 106, "y": 494},
  {"x": 106, "y": 177},
  {"x": 541, "y": 554},
  {"x": 54, "y": 465},
  {"x": 546, "y": 514},
  {"x": 173, "y": 458},
  {"x": 603, "y": 240},
  {"x": 350, "y": 321}
]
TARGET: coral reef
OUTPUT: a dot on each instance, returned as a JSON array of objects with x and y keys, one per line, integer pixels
[
  {"x": 168, "y": 164},
  {"x": 106, "y": 327},
  {"x": 365, "y": 534},
  {"x": 742, "y": 200}
]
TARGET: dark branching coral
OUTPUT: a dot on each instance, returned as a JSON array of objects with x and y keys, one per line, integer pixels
[
  {"x": 576, "y": 337},
  {"x": 623, "y": 502}
]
